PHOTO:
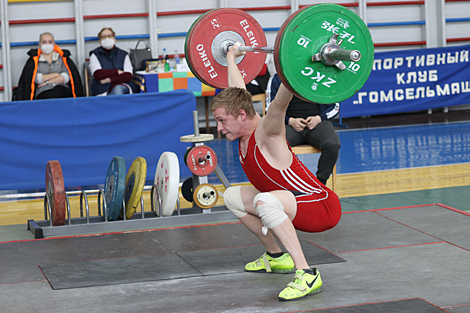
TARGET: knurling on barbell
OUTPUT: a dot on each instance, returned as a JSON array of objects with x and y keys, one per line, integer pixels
[
  {"x": 323, "y": 53},
  {"x": 330, "y": 54}
]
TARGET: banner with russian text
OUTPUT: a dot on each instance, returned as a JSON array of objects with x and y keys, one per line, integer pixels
[{"x": 413, "y": 80}]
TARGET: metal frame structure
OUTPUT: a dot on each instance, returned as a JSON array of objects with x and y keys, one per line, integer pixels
[
  {"x": 140, "y": 220},
  {"x": 150, "y": 219}
]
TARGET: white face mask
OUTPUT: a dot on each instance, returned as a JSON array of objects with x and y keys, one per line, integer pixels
[
  {"x": 47, "y": 48},
  {"x": 107, "y": 43}
]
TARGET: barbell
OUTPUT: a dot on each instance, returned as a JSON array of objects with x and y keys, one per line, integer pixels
[{"x": 323, "y": 53}]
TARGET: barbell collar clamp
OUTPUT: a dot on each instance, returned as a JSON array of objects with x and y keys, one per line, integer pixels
[
  {"x": 345, "y": 55},
  {"x": 332, "y": 54}
]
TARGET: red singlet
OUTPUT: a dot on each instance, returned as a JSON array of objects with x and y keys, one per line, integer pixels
[{"x": 318, "y": 208}]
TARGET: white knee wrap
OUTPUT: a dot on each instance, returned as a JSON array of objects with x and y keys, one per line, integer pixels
[
  {"x": 271, "y": 213},
  {"x": 233, "y": 201}
]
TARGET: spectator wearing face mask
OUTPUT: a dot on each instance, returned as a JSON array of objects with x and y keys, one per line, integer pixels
[
  {"x": 49, "y": 73},
  {"x": 110, "y": 67}
]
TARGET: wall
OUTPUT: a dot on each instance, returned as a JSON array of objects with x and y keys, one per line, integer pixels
[{"x": 394, "y": 25}]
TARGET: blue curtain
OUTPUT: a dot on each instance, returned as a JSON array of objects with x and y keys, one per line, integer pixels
[{"x": 84, "y": 134}]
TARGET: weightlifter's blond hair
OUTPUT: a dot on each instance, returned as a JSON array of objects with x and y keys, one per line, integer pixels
[{"x": 234, "y": 99}]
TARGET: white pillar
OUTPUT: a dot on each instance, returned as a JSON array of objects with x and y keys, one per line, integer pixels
[
  {"x": 6, "y": 60},
  {"x": 222, "y": 3},
  {"x": 80, "y": 38},
  {"x": 434, "y": 13},
  {"x": 153, "y": 27},
  {"x": 362, "y": 12},
  {"x": 294, "y": 6}
]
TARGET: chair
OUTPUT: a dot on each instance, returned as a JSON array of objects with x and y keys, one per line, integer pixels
[
  {"x": 307, "y": 149},
  {"x": 260, "y": 97}
]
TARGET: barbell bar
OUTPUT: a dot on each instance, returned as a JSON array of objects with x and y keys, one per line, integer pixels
[{"x": 329, "y": 54}]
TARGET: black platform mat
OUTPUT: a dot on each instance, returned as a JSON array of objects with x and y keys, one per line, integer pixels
[
  {"x": 403, "y": 306},
  {"x": 167, "y": 266},
  {"x": 233, "y": 260},
  {"x": 117, "y": 271}
]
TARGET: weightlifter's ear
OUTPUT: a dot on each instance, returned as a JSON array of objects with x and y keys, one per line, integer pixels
[{"x": 242, "y": 115}]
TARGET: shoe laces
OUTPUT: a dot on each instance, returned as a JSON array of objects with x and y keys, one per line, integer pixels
[
  {"x": 298, "y": 277},
  {"x": 296, "y": 283}
]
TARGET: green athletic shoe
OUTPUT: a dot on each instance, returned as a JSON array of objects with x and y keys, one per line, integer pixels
[
  {"x": 283, "y": 264},
  {"x": 303, "y": 285}
]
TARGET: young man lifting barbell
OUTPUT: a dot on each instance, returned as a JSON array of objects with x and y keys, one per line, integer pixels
[{"x": 285, "y": 195}]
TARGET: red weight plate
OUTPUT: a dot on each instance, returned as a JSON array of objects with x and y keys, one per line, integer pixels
[
  {"x": 186, "y": 43},
  {"x": 201, "y": 160},
  {"x": 56, "y": 191},
  {"x": 203, "y": 47}
]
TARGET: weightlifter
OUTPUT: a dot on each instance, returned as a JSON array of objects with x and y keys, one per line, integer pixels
[{"x": 285, "y": 195}]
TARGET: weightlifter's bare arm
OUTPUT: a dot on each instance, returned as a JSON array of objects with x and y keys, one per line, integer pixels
[
  {"x": 275, "y": 119},
  {"x": 273, "y": 122},
  {"x": 235, "y": 78},
  {"x": 271, "y": 132}
]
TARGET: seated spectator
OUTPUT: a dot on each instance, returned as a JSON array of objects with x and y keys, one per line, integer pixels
[
  {"x": 48, "y": 73},
  {"x": 110, "y": 67},
  {"x": 309, "y": 123},
  {"x": 259, "y": 84}
]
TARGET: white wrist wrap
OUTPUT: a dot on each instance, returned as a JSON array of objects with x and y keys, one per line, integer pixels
[
  {"x": 233, "y": 201},
  {"x": 271, "y": 212}
]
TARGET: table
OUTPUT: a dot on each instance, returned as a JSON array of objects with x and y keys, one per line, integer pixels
[{"x": 160, "y": 82}]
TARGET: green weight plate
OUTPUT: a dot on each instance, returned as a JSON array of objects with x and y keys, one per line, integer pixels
[
  {"x": 135, "y": 181},
  {"x": 185, "y": 156},
  {"x": 303, "y": 34}
]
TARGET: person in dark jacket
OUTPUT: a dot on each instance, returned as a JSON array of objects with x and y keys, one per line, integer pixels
[
  {"x": 308, "y": 123},
  {"x": 48, "y": 73},
  {"x": 110, "y": 67}
]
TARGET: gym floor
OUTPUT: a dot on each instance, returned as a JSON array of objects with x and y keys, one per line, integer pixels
[{"x": 401, "y": 245}]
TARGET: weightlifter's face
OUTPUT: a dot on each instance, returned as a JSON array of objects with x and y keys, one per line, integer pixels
[{"x": 227, "y": 124}]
